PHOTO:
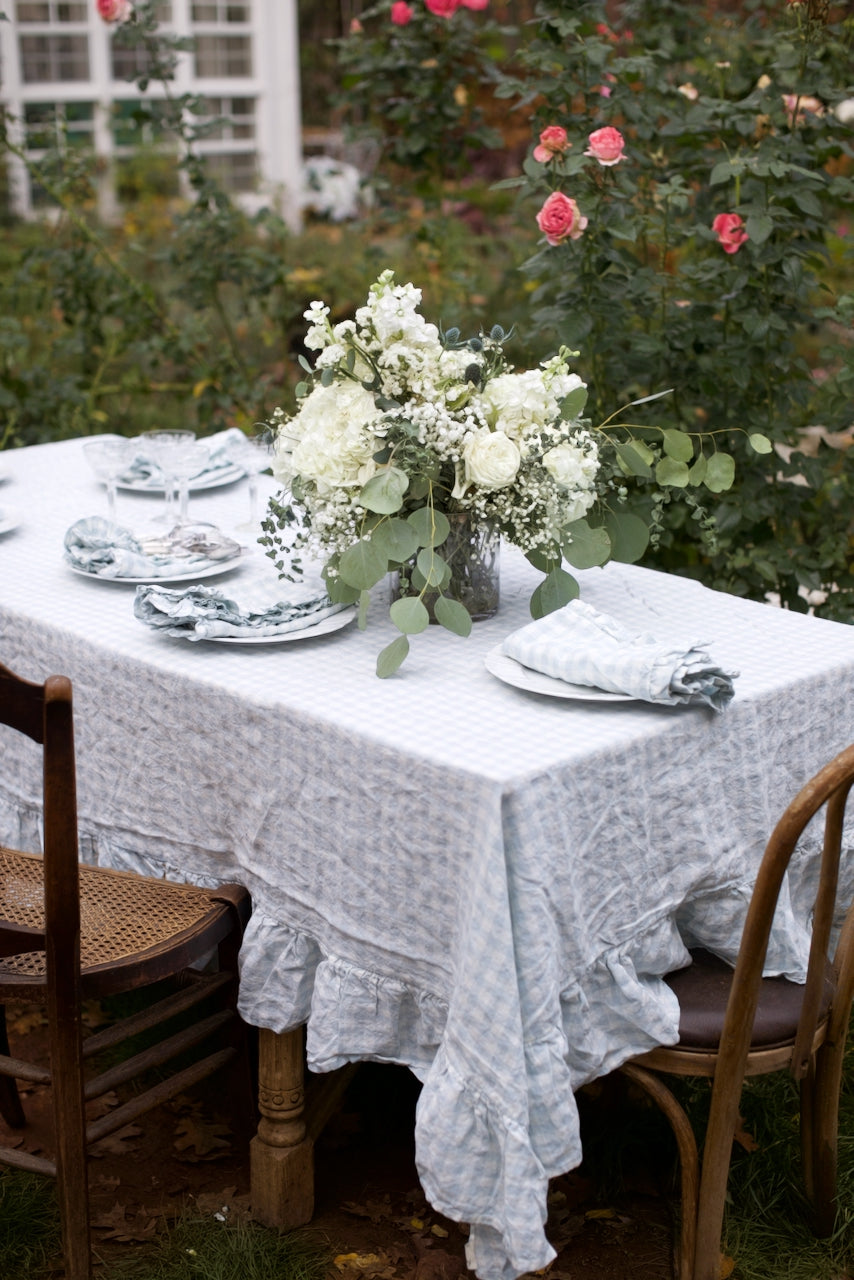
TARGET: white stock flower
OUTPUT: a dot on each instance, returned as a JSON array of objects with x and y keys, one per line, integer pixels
[
  {"x": 515, "y": 402},
  {"x": 335, "y": 440},
  {"x": 571, "y": 465},
  {"x": 491, "y": 459}
]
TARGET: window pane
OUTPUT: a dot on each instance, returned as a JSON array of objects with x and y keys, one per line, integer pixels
[
  {"x": 53, "y": 58},
  {"x": 204, "y": 13},
  {"x": 50, "y": 124},
  {"x": 32, "y": 12},
  {"x": 234, "y": 171},
  {"x": 128, "y": 62},
  {"x": 71, "y": 13},
  {"x": 223, "y": 56}
]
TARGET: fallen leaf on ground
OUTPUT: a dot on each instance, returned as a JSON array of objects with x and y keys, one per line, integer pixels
[
  {"x": 376, "y": 1265},
  {"x": 743, "y": 1138},
  {"x": 601, "y": 1213},
  {"x": 101, "y": 1106},
  {"x": 198, "y": 1140},
  {"x": 116, "y": 1225},
  {"x": 727, "y": 1266},
  {"x": 27, "y": 1020},
  {"x": 116, "y": 1144},
  {"x": 376, "y": 1210}
]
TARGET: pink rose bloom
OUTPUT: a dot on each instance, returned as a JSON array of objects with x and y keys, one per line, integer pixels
[
  {"x": 401, "y": 13},
  {"x": 606, "y": 145},
  {"x": 553, "y": 142},
  {"x": 560, "y": 219},
  {"x": 729, "y": 229},
  {"x": 356, "y": 27},
  {"x": 797, "y": 104},
  {"x": 443, "y": 8},
  {"x": 114, "y": 10},
  {"x": 475, "y": 4}
]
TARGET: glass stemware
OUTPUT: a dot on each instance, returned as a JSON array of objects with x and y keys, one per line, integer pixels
[
  {"x": 163, "y": 448},
  {"x": 108, "y": 457},
  {"x": 188, "y": 460},
  {"x": 254, "y": 454}
]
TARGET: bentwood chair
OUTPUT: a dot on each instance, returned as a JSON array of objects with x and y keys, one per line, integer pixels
[
  {"x": 70, "y": 933},
  {"x": 736, "y": 1023}
]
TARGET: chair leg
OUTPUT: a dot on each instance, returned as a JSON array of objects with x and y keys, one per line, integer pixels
[
  {"x": 689, "y": 1162},
  {"x": 823, "y": 1085},
  {"x": 10, "y": 1102},
  {"x": 70, "y": 1136}
]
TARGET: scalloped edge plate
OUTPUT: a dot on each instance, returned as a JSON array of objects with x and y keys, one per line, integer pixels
[
  {"x": 507, "y": 669},
  {"x": 212, "y": 570},
  {"x": 334, "y": 622}
]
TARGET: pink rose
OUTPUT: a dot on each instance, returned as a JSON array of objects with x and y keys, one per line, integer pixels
[
  {"x": 401, "y": 13},
  {"x": 553, "y": 142},
  {"x": 797, "y": 104},
  {"x": 114, "y": 10},
  {"x": 729, "y": 229},
  {"x": 443, "y": 8},
  {"x": 475, "y": 4},
  {"x": 560, "y": 219},
  {"x": 356, "y": 27},
  {"x": 606, "y": 145}
]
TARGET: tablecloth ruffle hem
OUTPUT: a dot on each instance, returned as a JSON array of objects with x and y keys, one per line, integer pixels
[{"x": 521, "y": 1142}]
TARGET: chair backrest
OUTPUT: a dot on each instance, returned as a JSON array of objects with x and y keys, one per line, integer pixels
[
  {"x": 44, "y": 713},
  {"x": 828, "y": 789}
]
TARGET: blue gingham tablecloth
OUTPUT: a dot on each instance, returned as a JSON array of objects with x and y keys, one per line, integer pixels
[{"x": 482, "y": 883}]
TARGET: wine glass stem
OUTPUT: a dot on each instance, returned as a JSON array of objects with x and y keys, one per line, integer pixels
[
  {"x": 111, "y": 499},
  {"x": 169, "y": 495},
  {"x": 184, "y": 497}
]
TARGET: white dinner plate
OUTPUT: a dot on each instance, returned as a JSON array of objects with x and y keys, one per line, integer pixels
[
  {"x": 221, "y": 566},
  {"x": 10, "y": 518},
  {"x": 512, "y": 672},
  {"x": 333, "y": 623},
  {"x": 4, "y": 474},
  {"x": 225, "y": 475}
]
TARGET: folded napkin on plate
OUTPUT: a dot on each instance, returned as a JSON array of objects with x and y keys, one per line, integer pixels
[
  {"x": 583, "y": 646},
  {"x": 203, "y": 613},
  {"x": 142, "y": 469},
  {"x": 107, "y": 550}
]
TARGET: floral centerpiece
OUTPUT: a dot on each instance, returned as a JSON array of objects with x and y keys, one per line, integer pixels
[{"x": 403, "y": 431}]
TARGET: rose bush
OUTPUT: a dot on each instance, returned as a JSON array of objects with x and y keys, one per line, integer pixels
[{"x": 560, "y": 219}]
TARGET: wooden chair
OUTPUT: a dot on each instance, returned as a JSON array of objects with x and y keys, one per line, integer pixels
[
  {"x": 70, "y": 933},
  {"x": 736, "y": 1023}
]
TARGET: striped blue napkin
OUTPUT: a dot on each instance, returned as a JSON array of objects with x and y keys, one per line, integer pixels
[{"x": 583, "y": 646}]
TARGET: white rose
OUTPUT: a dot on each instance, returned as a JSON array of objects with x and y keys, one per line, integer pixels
[{"x": 491, "y": 459}]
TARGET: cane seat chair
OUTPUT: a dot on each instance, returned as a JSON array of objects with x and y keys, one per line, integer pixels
[
  {"x": 735, "y": 1023},
  {"x": 70, "y": 933}
]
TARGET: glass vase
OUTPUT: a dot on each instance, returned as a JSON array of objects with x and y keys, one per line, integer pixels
[{"x": 471, "y": 551}]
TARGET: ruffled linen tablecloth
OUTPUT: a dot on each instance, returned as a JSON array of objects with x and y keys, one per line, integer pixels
[{"x": 481, "y": 883}]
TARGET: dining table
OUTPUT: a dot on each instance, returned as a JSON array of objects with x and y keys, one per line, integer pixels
[{"x": 449, "y": 870}]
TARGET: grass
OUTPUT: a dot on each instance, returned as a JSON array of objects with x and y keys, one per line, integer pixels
[{"x": 190, "y": 1248}]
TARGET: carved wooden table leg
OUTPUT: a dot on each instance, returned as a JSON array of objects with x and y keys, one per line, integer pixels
[{"x": 281, "y": 1155}]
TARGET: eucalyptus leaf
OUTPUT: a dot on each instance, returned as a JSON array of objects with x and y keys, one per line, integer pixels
[
  {"x": 432, "y": 566},
  {"x": 384, "y": 492},
  {"x": 573, "y": 404},
  {"x": 629, "y": 536},
  {"x": 390, "y": 658},
  {"x": 759, "y": 443},
  {"x": 678, "y": 445},
  {"x": 396, "y": 538},
  {"x": 669, "y": 471},
  {"x": 327, "y": 377},
  {"x": 362, "y": 565},
  {"x": 720, "y": 472},
  {"x": 431, "y": 526},
  {"x": 453, "y": 616},
  {"x": 635, "y": 458},
  {"x": 585, "y": 547},
  {"x": 542, "y": 561},
  {"x": 556, "y": 590},
  {"x": 697, "y": 470},
  {"x": 409, "y": 614}
]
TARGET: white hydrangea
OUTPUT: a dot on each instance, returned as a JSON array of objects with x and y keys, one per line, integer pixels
[
  {"x": 518, "y": 402},
  {"x": 333, "y": 440}
]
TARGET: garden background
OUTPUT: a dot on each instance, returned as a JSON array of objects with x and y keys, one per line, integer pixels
[{"x": 192, "y": 313}]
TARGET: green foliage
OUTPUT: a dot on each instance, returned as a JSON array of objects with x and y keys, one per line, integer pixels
[
  {"x": 197, "y": 1248},
  {"x": 412, "y": 90},
  {"x": 720, "y": 115}
]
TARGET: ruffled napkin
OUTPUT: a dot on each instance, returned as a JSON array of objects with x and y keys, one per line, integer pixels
[
  {"x": 222, "y": 454},
  {"x": 203, "y": 613},
  {"x": 583, "y": 646},
  {"x": 107, "y": 550}
]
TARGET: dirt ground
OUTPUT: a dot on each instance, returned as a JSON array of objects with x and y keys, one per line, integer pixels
[{"x": 368, "y": 1202}]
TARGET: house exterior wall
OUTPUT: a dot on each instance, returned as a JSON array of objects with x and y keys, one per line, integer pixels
[{"x": 62, "y": 76}]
